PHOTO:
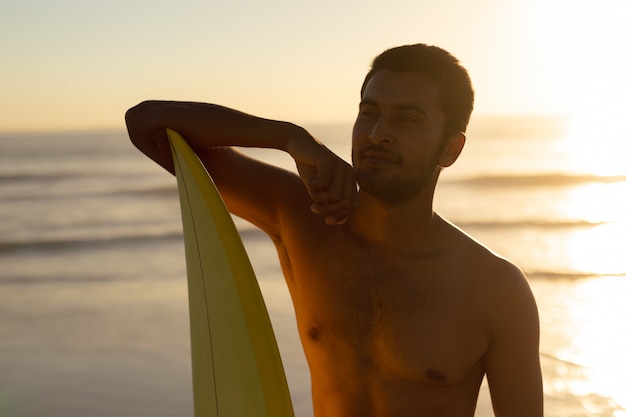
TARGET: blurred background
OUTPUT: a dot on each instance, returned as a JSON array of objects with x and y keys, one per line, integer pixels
[{"x": 93, "y": 317}]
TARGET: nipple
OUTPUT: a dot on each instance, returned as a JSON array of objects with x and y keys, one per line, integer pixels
[
  {"x": 315, "y": 334},
  {"x": 436, "y": 376}
]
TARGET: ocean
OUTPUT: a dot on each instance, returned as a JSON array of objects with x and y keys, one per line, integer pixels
[{"x": 93, "y": 309}]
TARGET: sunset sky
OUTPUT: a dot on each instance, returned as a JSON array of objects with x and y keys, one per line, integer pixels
[{"x": 79, "y": 64}]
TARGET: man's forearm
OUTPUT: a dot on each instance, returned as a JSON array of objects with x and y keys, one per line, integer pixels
[{"x": 202, "y": 125}]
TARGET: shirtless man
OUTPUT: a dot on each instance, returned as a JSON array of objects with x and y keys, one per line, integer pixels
[{"x": 400, "y": 313}]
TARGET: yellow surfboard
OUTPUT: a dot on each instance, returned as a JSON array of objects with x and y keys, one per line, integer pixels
[{"x": 236, "y": 366}]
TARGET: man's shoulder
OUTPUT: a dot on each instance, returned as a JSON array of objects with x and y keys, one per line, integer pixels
[
  {"x": 502, "y": 293},
  {"x": 488, "y": 268},
  {"x": 501, "y": 285},
  {"x": 496, "y": 271}
]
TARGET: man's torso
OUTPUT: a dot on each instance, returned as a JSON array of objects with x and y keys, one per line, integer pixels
[{"x": 388, "y": 334}]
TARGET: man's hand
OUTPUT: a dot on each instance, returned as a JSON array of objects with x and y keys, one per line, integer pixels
[{"x": 329, "y": 179}]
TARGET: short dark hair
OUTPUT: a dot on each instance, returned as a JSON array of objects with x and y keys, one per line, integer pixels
[{"x": 455, "y": 86}]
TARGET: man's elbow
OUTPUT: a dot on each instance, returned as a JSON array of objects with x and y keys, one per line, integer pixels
[
  {"x": 148, "y": 137},
  {"x": 137, "y": 124}
]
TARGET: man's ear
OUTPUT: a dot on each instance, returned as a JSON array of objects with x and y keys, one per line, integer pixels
[{"x": 452, "y": 150}]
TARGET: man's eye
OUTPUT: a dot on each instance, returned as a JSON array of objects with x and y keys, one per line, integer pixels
[
  {"x": 367, "y": 113},
  {"x": 409, "y": 118}
]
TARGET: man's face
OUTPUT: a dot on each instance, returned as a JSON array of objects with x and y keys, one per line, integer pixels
[{"x": 397, "y": 136}]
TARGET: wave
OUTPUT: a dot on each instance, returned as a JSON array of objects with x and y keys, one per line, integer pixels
[
  {"x": 33, "y": 176},
  {"x": 534, "y": 180},
  {"x": 68, "y": 174},
  {"x": 568, "y": 275},
  {"x": 59, "y": 279},
  {"x": 160, "y": 190},
  {"x": 63, "y": 244},
  {"x": 555, "y": 358},
  {"x": 107, "y": 191},
  {"x": 527, "y": 223},
  {"x": 69, "y": 244}
]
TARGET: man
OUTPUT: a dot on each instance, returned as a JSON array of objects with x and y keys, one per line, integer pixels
[{"x": 399, "y": 312}]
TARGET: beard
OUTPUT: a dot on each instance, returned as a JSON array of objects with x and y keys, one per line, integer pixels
[{"x": 399, "y": 187}]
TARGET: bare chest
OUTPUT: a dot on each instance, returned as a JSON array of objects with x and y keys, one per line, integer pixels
[{"x": 411, "y": 318}]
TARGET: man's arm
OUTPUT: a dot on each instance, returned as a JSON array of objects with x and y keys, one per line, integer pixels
[
  {"x": 203, "y": 125},
  {"x": 512, "y": 361},
  {"x": 327, "y": 178}
]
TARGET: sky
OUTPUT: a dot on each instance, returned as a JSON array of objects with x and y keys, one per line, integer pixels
[{"x": 79, "y": 64}]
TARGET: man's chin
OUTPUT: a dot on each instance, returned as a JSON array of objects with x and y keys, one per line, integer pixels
[{"x": 390, "y": 195}]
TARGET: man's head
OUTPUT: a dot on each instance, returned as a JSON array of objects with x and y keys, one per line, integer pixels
[
  {"x": 415, "y": 105},
  {"x": 455, "y": 87}
]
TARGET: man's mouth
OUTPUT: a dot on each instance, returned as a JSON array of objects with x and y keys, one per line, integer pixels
[{"x": 378, "y": 157}]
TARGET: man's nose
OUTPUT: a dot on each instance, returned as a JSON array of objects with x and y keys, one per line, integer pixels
[{"x": 380, "y": 132}]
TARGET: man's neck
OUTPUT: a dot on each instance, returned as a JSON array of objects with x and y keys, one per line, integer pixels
[{"x": 398, "y": 227}]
